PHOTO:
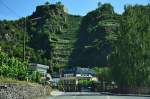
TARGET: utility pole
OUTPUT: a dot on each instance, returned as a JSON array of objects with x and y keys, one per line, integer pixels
[
  {"x": 24, "y": 39},
  {"x": 24, "y": 43},
  {"x": 24, "y": 36}
]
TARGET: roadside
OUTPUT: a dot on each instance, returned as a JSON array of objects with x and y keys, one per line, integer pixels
[
  {"x": 60, "y": 93},
  {"x": 23, "y": 91},
  {"x": 88, "y": 95},
  {"x": 57, "y": 93}
]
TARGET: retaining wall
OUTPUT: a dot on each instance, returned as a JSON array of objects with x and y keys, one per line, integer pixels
[{"x": 23, "y": 91}]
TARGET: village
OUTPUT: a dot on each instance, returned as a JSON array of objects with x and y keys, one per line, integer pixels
[
  {"x": 74, "y": 49},
  {"x": 73, "y": 79}
]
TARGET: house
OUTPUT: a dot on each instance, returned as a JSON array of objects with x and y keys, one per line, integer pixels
[
  {"x": 55, "y": 78},
  {"x": 39, "y": 67},
  {"x": 77, "y": 79},
  {"x": 74, "y": 75}
]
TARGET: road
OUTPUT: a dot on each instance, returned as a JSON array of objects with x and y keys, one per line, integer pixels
[{"x": 93, "y": 96}]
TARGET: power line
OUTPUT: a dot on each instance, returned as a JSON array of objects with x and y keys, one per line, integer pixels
[{"x": 11, "y": 10}]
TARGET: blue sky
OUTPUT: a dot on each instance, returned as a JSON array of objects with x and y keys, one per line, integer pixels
[{"x": 14, "y": 9}]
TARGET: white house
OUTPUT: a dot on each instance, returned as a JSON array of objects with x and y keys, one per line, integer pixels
[
  {"x": 39, "y": 67},
  {"x": 74, "y": 75}
]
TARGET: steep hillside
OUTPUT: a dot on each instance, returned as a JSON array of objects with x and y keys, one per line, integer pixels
[
  {"x": 94, "y": 40},
  {"x": 50, "y": 37},
  {"x": 54, "y": 35},
  {"x": 11, "y": 38},
  {"x": 58, "y": 39},
  {"x": 64, "y": 45}
]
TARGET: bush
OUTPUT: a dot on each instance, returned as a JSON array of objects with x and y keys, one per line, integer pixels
[
  {"x": 103, "y": 73},
  {"x": 36, "y": 76},
  {"x": 85, "y": 82},
  {"x": 12, "y": 67}
]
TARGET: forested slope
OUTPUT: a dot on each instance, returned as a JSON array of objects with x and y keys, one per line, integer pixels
[
  {"x": 58, "y": 39},
  {"x": 50, "y": 36},
  {"x": 97, "y": 30}
]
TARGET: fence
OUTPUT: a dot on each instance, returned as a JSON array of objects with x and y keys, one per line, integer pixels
[
  {"x": 95, "y": 87},
  {"x": 131, "y": 90}
]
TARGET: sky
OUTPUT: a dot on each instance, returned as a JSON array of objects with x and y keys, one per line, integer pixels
[{"x": 15, "y": 9}]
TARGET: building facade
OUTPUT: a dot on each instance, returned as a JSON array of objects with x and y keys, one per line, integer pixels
[
  {"x": 42, "y": 69},
  {"x": 74, "y": 75},
  {"x": 71, "y": 78}
]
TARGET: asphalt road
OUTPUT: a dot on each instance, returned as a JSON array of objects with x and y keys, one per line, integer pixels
[{"x": 93, "y": 96}]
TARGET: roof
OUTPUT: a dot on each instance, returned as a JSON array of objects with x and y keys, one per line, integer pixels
[
  {"x": 79, "y": 70},
  {"x": 85, "y": 71},
  {"x": 55, "y": 75},
  {"x": 34, "y": 65}
]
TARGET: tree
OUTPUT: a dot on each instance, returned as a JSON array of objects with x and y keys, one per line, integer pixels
[
  {"x": 99, "y": 4},
  {"x": 130, "y": 57},
  {"x": 103, "y": 73},
  {"x": 12, "y": 67},
  {"x": 47, "y": 3},
  {"x": 58, "y": 3}
]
